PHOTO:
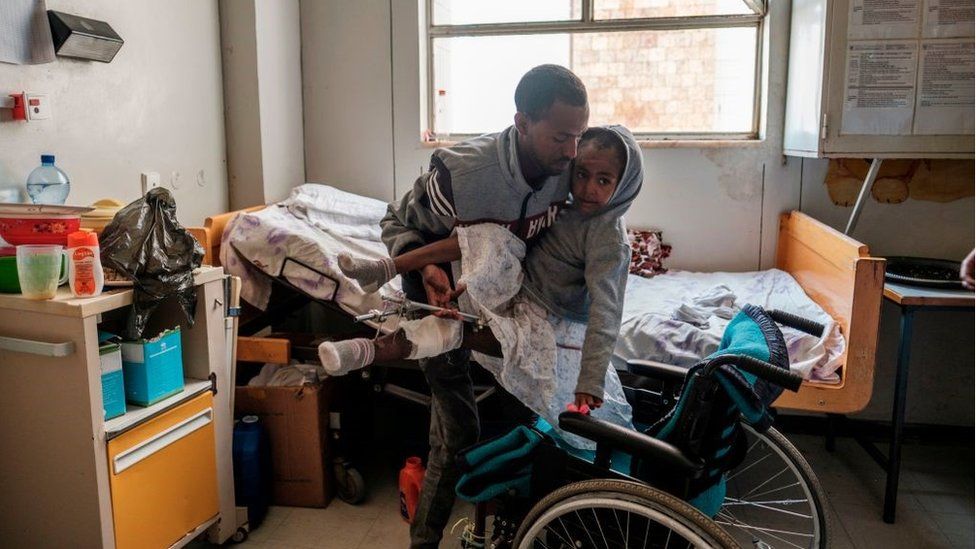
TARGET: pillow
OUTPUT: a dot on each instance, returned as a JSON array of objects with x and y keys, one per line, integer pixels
[{"x": 647, "y": 253}]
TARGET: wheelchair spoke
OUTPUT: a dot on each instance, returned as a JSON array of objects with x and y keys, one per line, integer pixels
[
  {"x": 585, "y": 529},
  {"x": 750, "y": 466},
  {"x": 770, "y": 479},
  {"x": 770, "y": 508},
  {"x": 597, "y": 520},
  {"x": 767, "y": 492},
  {"x": 569, "y": 537}
]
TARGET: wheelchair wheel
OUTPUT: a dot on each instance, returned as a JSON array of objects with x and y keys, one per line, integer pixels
[
  {"x": 773, "y": 498},
  {"x": 607, "y": 513}
]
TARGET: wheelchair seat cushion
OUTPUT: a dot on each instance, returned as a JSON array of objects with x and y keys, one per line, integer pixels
[{"x": 498, "y": 466}]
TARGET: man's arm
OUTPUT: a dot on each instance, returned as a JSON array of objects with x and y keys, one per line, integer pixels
[
  {"x": 424, "y": 214},
  {"x": 417, "y": 218}
]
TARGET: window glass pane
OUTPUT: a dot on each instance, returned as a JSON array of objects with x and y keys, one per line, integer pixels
[
  {"x": 684, "y": 81},
  {"x": 626, "y": 9},
  {"x": 470, "y": 12}
]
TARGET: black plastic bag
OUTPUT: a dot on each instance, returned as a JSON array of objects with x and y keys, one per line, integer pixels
[{"x": 146, "y": 244}]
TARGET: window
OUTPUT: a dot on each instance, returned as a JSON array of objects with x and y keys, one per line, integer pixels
[{"x": 666, "y": 69}]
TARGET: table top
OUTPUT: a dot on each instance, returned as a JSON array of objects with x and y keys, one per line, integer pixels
[
  {"x": 64, "y": 304},
  {"x": 903, "y": 294}
]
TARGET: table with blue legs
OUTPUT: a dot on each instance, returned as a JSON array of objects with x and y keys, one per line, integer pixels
[{"x": 909, "y": 299}]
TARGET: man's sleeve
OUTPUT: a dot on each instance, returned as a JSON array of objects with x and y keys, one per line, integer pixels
[{"x": 423, "y": 215}]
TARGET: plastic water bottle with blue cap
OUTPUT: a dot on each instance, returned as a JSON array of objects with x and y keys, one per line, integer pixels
[{"x": 47, "y": 184}]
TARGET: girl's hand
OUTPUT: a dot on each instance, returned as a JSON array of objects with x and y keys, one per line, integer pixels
[{"x": 590, "y": 401}]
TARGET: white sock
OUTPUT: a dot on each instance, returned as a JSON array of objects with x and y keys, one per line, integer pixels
[
  {"x": 341, "y": 357},
  {"x": 432, "y": 336},
  {"x": 371, "y": 274}
]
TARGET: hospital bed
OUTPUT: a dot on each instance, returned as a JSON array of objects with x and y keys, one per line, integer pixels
[{"x": 834, "y": 271}]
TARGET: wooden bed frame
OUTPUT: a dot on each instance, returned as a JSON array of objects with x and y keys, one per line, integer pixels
[{"x": 836, "y": 271}]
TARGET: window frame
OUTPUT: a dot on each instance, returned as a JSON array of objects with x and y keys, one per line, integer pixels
[{"x": 587, "y": 24}]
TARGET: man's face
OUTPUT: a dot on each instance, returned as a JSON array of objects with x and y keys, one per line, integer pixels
[{"x": 552, "y": 139}]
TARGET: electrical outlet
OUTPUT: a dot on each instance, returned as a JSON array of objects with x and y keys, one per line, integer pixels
[
  {"x": 38, "y": 106},
  {"x": 150, "y": 180}
]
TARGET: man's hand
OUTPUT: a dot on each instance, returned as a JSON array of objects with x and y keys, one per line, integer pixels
[
  {"x": 968, "y": 270},
  {"x": 438, "y": 286},
  {"x": 590, "y": 401}
]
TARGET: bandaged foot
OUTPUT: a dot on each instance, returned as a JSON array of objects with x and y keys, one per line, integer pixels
[
  {"x": 371, "y": 274},
  {"x": 341, "y": 357},
  {"x": 432, "y": 336}
]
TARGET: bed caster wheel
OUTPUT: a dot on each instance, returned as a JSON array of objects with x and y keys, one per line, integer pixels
[
  {"x": 240, "y": 536},
  {"x": 350, "y": 484}
]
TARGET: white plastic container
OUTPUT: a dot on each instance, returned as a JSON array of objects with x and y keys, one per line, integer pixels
[{"x": 85, "y": 275}]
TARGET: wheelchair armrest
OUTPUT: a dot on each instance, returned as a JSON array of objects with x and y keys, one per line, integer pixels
[
  {"x": 629, "y": 441},
  {"x": 657, "y": 370}
]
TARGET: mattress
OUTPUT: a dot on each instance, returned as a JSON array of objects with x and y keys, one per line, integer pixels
[
  {"x": 299, "y": 238},
  {"x": 653, "y": 329}
]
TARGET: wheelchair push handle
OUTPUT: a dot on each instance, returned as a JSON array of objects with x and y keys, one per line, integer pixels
[
  {"x": 762, "y": 369},
  {"x": 805, "y": 325},
  {"x": 770, "y": 372}
]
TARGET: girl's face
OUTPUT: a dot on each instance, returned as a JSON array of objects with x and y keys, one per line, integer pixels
[{"x": 595, "y": 176}]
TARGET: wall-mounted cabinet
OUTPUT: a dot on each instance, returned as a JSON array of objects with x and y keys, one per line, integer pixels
[{"x": 880, "y": 79}]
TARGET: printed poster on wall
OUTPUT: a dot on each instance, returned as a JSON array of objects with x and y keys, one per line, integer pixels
[
  {"x": 948, "y": 18},
  {"x": 871, "y": 19},
  {"x": 879, "y": 92},
  {"x": 945, "y": 90}
]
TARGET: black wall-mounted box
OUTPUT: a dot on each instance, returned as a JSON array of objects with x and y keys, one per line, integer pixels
[{"x": 83, "y": 38}]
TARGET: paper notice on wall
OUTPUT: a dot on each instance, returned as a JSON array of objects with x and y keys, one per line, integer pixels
[
  {"x": 870, "y": 19},
  {"x": 25, "y": 34},
  {"x": 879, "y": 93},
  {"x": 945, "y": 89},
  {"x": 948, "y": 18}
]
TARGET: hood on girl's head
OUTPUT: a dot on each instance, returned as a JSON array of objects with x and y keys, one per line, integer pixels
[{"x": 631, "y": 176}]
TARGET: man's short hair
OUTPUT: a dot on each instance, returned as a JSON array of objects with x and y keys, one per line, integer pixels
[{"x": 543, "y": 85}]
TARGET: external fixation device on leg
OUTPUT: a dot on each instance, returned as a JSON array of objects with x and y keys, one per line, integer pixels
[{"x": 400, "y": 306}]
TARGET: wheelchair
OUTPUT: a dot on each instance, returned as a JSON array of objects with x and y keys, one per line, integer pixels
[{"x": 704, "y": 468}]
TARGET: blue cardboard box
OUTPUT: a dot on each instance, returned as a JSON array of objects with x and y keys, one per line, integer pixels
[
  {"x": 113, "y": 385},
  {"x": 153, "y": 368}
]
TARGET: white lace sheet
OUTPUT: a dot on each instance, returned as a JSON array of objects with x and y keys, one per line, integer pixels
[
  {"x": 650, "y": 332},
  {"x": 541, "y": 351},
  {"x": 305, "y": 232}
]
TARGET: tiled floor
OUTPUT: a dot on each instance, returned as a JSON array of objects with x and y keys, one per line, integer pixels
[{"x": 935, "y": 506}]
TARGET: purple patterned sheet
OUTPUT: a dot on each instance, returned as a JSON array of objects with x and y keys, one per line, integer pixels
[
  {"x": 312, "y": 226},
  {"x": 650, "y": 332}
]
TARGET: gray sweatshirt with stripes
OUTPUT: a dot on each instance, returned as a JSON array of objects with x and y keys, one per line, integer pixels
[{"x": 475, "y": 181}]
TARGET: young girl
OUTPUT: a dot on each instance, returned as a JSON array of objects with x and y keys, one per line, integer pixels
[{"x": 552, "y": 327}]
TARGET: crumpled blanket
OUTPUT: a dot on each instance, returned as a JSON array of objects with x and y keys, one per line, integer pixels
[
  {"x": 541, "y": 351},
  {"x": 718, "y": 301},
  {"x": 285, "y": 375}
]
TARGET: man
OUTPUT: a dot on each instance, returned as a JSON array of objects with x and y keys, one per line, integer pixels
[{"x": 514, "y": 178}]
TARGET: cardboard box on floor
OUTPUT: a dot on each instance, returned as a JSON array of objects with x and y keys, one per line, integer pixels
[{"x": 297, "y": 422}]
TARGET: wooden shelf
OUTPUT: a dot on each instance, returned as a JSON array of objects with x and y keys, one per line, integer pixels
[{"x": 135, "y": 415}]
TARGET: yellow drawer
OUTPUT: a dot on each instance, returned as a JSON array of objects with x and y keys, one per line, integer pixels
[{"x": 163, "y": 476}]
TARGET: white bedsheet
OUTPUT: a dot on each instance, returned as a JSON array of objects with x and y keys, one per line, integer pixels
[
  {"x": 312, "y": 226},
  {"x": 650, "y": 332}
]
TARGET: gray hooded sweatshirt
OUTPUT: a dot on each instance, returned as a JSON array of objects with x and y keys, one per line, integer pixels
[
  {"x": 578, "y": 269},
  {"x": 475, "y": 181}
]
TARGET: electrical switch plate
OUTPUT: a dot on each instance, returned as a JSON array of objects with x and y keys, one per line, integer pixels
[
  {"x": 150, "y": 180},
  {"x": 38, "y": 106}
]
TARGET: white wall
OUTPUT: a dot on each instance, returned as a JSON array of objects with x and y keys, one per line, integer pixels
[
  {"x": 158, "y": 105},
  {"x": 262, "y": 63},
  {"x": 348, "y": 93},
  {"x": 718, "y": 207}
]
